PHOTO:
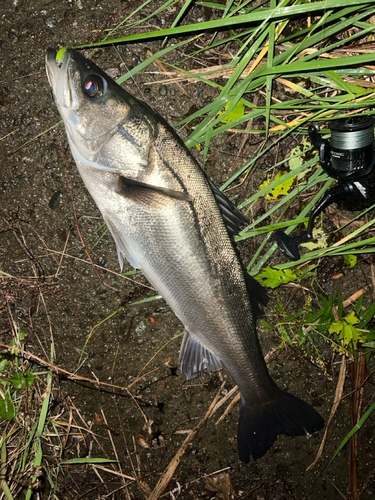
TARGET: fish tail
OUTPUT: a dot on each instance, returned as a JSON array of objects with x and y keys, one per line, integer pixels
[{"x": 260, "y": 425}]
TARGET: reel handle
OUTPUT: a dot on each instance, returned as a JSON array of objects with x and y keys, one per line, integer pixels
[{"x": 288, "y": 244}]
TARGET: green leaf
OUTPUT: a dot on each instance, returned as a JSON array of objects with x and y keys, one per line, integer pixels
[
  {"x": 20, "y": 381},
  {"x": 6, "y": 490},
  {"x": 308, "y": 272},
  {"x": 347, "y": 332},
  {"x": 357, "y": 336},
  {"x": 298, "y": 157},
  {"x": 318, "y": 241},
  {"x": 266, "y": 325},
  {"x": 3, "y": 363},
  {"x": 22, "y": 336},
  {"x": 358, "y": 308},
  {"x": 280, "y": 190},
  {"x": 367, "y": 315},
  {"x": 369, "y": 344},
  {"x": 87, "y": 461},
  {"x": 237, "y": 112},
  {"x": 357, "y": 426},
  {"x": 7, "y": 408},
  {"x": 351, "y": 318},
  {"x": 274, "y": 278},
  {"x": 350, "y": 260},
  {"x": 336, "y": 327}
]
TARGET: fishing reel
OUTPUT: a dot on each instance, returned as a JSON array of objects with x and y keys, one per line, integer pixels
[{"x": 349, "y": 158}]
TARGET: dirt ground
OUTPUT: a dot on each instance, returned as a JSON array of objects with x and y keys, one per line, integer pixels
[{"x": 35, "y": 196}]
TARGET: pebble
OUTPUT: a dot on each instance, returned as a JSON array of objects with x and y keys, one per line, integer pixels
[
  {"x": 163, "y": 90},
  {"x": 55, "y": 201},
  {"x": 198, "y": 92},
  {"x": 102, "y": 261},
  {"x": 140, "y": 328},
  {"x": 50, "y": 22}
]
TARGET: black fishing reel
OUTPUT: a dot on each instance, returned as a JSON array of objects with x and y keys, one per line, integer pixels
[{"x": 349, "y": 158}]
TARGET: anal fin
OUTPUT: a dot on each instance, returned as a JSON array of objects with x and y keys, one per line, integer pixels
[{"x": 195, "y": 358}]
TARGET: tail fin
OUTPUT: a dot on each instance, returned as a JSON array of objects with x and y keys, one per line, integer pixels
[{"x": 259, "y": 425}]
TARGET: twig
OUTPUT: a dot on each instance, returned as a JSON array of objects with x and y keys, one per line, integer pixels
[
  {"x": 228, "y": 409},
  {"x": 71, "y": 375},
  {"x": 200, "y": 479},
  {"x": 228, "y": 395},
  {"x": 41, "y": 273},
  {"x": 358, "y": 378},
  {"x": 50, "y": 252},
  {"x": 101, "y": 267},
  {"x": 336, "y": 402},
  {"x": 114, "y": 472},
  {"x": 170, "y": 470}
]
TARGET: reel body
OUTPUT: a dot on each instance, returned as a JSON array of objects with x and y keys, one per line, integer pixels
[{"x": 349, "y": 158}]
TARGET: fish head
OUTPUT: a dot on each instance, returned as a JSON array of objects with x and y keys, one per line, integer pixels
[{"x": 101, "y": 118}]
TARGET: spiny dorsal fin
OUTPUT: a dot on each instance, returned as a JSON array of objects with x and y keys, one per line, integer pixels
[{"x": 233, "y": 218}]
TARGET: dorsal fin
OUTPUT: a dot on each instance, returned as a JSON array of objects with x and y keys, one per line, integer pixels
[{"x": 233, "y": 218}]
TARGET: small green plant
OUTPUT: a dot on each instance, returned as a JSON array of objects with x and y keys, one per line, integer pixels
[
  {"x": 347, "y": 332},
  {"x": 273, "y": 278},
  {"x": 303, "y": 330},
  {"x": 13, "y": 380}
]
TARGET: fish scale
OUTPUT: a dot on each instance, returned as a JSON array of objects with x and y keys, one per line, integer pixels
[{"x": 170, "y": 221}]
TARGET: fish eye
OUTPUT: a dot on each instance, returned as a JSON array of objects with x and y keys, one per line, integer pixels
[{"x": 93, "y": 86}]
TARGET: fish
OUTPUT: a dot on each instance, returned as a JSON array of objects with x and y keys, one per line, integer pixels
[{"x": 169, "y": 220}]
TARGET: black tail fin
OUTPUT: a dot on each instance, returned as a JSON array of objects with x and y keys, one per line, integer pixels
[{"x": 259, "y": 425}]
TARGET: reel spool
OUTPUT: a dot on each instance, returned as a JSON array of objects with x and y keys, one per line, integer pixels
[{"x": 349, "y": 158}]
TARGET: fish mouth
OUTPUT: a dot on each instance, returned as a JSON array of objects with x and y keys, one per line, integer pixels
[
  {"x": 52, "y": 67},
  {"x": 57, "y": 64}
]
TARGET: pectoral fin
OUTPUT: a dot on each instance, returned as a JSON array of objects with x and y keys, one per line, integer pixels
[
  {"x": 195, "y": 358},
  {"x": 146, "y": 194},
  {"x": 122, "y": 250}
]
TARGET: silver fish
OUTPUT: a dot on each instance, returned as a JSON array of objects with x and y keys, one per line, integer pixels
[{"x": 169, "y": 220}]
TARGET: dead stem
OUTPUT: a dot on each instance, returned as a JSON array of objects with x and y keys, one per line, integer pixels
[
  {"x": 336, "y": 402},
  {"x": 98, "y": 267},
  {"x": 73, "y": 376},
  {"x": 21, "y": 242},
  {"x": 358, "y": 386},
  {"x": 170, "y": 470}
]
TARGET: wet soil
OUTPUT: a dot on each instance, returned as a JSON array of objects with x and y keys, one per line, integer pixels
[{"x": 36, "y": 182}]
